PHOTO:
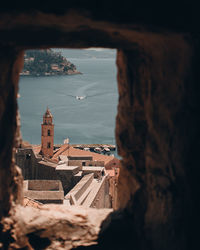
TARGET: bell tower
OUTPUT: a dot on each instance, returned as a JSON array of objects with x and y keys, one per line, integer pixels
[{"x": 47, "y": 134}]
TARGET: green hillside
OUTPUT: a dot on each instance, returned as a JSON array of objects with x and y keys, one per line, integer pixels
[{"x": 46, "y": 63}]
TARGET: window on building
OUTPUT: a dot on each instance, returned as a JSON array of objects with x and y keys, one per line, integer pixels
[
  {"x": 28, "y": 156},
  {"x": 48, "y": 132},
  {"x": 48, "y": 145}
]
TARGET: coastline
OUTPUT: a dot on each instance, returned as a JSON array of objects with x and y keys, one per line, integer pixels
[{"x": 52, "y": 74}]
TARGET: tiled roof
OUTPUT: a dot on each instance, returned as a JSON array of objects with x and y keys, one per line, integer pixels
[
  {"x": 70, "y": 151},
  {"x": 62, "y": 149},
  {"x": 36, "y": 149}
]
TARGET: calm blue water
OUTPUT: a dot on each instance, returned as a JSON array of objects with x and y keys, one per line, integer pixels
[{"x": 91, "y": 120}]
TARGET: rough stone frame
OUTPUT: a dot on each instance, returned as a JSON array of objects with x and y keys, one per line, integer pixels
[{"x": 157, "y": 134}]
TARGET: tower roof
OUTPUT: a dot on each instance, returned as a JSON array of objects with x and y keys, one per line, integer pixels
[{"x": 47, "y": 113}]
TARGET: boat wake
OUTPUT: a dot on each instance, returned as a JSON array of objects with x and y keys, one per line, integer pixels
[{"x": 77, "y": 97}]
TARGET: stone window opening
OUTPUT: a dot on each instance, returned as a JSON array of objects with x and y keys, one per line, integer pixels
[
  {"x": 84, "y": 164},
  {"x": 48, "y": 132},
  {"x": 157, "y": 131}
]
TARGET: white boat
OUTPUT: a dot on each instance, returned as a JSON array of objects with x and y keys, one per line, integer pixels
[
  {"x": 86, "y": 149},
  {"x": 80, "y": 97},
  {"x": 98, "y": 150},
  {"x": 107, "y": 150}
]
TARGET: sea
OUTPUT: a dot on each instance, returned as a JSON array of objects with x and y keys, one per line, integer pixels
[{"x": 90, "y": 120}]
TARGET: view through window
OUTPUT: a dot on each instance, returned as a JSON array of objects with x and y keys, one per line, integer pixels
[{"x": 75, "y": 98}]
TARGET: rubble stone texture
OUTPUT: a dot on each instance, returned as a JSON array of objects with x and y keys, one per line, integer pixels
[
  {"x": 157, "y": 126},
  {"x": 55, "y": 227}
]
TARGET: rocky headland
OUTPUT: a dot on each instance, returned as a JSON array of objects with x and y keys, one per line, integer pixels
[{"x": 47, "y": 62}]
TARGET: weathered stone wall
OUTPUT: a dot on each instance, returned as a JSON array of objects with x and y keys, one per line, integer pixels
[
  {"x": 11, "y": 62},
  {"x": 113, "y": 190},
  {"x": 67, "y": 179},
  {"x": 157, "y": 126},
  {"x": 86, "y": 163},
  {"x": 44, "y": 185},
  {"x": 102, "y": 198},
  {"x": 80, "y": 188},
  {"x": 28, "y": 163},
  {"x": 80, "y": 158},
  {"x": 45, "y": 172},
  {"x": 44, "y": 191},
  {"x": 34, "y": 169}
]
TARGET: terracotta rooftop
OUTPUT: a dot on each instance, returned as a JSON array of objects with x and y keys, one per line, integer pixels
[
  {"x": 36, "y": 149},
  {"x": 70, "y": 151},
  {"x": 62, "y": 149}
]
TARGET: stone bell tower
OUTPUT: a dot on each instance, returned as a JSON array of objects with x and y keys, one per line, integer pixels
[{"x": 47, "y": 134}]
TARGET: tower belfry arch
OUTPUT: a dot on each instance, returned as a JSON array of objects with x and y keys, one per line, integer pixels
[{"x": 47, "y": 136}]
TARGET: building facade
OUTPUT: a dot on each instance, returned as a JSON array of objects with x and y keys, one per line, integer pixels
[{"x": 47, "y": 137}]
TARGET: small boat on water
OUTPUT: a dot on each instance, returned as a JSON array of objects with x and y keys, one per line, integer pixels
[
  {"x": 98, "y": 150},
  {"x": 80, "y": 97},
  {"x": 106, "y": 150},
  {"x": 86, "y": 149}
]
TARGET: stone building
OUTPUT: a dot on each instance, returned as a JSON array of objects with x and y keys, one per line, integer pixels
[
  {"x": 44, "y": 166},
  {"x": 44, "y": 191},
  {"x": 40, "y": 173},
  {"x": 47, "y": 137},
  {"x": 69, "y": 170}
]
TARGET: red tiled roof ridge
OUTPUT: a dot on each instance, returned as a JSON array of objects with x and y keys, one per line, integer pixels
[
  {"x": 75, "y": 151},
  {"x": 36, "y": 148},
  {"x": 62, "y": 149}
]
